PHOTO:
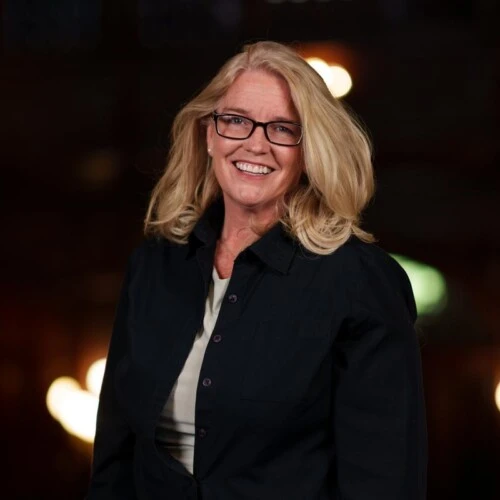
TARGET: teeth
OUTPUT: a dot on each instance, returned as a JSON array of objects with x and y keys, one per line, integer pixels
[{"x": 254, "y": 169}]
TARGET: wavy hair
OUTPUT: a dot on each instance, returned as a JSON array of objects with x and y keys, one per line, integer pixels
[{"x": 324, "y": 210}]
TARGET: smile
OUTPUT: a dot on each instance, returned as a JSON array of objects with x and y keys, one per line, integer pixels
[{"x": 252, "y": 168}]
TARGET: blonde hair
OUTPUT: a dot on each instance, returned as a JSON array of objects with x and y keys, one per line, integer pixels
[{"x": 323, "y": 211}]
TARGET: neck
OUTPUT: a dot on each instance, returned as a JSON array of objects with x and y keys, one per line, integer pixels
[{"x": 242, "y": 226}]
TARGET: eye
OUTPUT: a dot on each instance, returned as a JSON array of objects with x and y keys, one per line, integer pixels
[
  {"x": 233, "y": 120},
  {"x": 282, "y": 128},
  {"x": 237, "y": 120}
]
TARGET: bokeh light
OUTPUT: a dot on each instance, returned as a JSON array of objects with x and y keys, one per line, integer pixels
[
  {"x": 497, "y": 396},
  {"x": 77, "y": 414},
  {"x": 58, "y": 392},
  {"x": 95, "y": 375},
  {"x": 428, "y": 284},
  {"x": 337, "y": 79},
  {"x": 341, "y": 81},
  {"x": 74, "y": 407},
  {"x": 322, "y": 68}
]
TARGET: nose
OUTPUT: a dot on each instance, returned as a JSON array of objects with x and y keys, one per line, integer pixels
[{"x": 257, "y": 142}]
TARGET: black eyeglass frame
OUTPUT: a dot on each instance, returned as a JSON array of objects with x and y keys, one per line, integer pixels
[{"x": 256, "y": 124}]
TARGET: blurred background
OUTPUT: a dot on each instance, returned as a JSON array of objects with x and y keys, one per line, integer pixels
[{"x": 88, "y": 91}]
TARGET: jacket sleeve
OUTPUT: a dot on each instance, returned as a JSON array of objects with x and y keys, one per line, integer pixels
[
  {"x": 112, "y": 464},
  {"x": 379, "y": 417}
]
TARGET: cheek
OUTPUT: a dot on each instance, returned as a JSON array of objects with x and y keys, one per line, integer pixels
[
  {"x": 293, "y": 162},
  {"x": 220, "y": 167},
  {"x": 216, "y": 166},
  {"x": 222, "y": 148}
]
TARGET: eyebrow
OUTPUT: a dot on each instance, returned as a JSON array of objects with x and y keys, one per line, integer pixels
[{"x": 245, "y": 112}]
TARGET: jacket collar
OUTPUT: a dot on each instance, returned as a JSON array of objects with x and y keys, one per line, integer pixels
[{"x": 275, "y": 248}]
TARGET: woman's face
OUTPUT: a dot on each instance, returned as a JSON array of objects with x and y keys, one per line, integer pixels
[{"x": 263, "y": 97}]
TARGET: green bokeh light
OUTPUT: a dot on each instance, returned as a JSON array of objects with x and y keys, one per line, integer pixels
[{"x": 429, "y": 285}]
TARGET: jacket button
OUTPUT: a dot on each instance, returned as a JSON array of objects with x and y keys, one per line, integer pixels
[
  {"x": 217, "y": 338},
  {"x": 207, "y": 382},
  {"x": 202, "y": 433},
  {"x": 233, "y": 298}
]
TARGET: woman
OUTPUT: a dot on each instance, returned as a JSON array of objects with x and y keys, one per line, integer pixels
[{"x": 263, "y": 348}]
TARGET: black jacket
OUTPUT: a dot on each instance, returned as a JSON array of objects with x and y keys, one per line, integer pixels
[{"x": 316, "y": 387}]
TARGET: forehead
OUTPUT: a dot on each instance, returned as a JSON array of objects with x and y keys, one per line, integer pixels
[{"x": 261, "y": 95}]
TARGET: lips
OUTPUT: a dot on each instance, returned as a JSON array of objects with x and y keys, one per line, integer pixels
[{"x": 253, "y": 168}]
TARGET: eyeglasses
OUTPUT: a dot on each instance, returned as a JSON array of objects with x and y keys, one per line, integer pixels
[{"x": 281, "y": 133}]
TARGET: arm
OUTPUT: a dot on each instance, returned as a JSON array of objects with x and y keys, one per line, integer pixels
[
  {"x": 112, "y": 467},
  {"x": 379, "y": 416}
]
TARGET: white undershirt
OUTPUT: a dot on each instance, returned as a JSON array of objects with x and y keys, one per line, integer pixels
[{"x": 176, "y": 425}]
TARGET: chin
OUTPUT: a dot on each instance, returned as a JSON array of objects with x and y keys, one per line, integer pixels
[
  {"x": 248, "y": 198},
  {"x": 250, "y": 203},
  {"x": 258, "y": 205}
]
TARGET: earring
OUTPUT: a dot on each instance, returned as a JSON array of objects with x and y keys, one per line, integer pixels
[{"x": 209, "y": 151}]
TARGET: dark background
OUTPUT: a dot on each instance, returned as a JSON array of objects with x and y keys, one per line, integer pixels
[{"x": 88, "y": 90}]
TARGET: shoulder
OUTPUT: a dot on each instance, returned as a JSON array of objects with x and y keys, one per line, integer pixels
[
  {"x": 151, "y": 253},
  {"x": 147, "y": 249},
  {"x": 361, "y": 257},
  {"x": 373, "y": 277}
]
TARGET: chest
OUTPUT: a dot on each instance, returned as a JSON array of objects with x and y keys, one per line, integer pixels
[
  {"x": 271, "y": 342},
  {"x": 224, "y": 264}
]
